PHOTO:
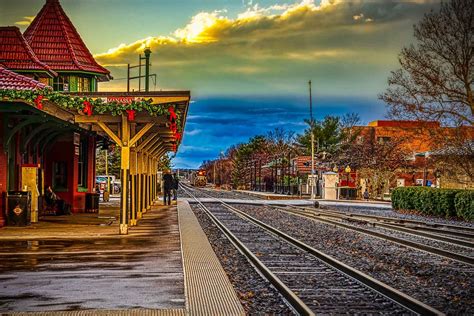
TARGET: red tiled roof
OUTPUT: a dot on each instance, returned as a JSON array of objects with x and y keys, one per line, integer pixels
[
  {"x": 10, "y": 80},
  {"x": 16, "y": 54},
  {"x": 56, "y": 42}
]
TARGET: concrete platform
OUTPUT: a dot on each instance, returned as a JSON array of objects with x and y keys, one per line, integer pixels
[
  {"x": 271, "y": 196},
  {"x": 166, "y": 260},
  {"x": 302, "y": 202}
]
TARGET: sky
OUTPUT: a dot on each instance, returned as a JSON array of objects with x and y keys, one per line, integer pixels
[{"x": 247, "y": 62}]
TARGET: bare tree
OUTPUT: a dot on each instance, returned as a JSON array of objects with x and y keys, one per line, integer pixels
[{"x": 436, "y": 75}]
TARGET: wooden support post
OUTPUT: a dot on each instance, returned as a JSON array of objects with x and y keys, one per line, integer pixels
[
  {"x": 139, "y": 185},
  {"x": 133, "y": 193},
  {"x": 144, "y": 186},
  {"x": 125, "y": 169},
  {"x": 150, "y": 200},
  {"x": 154, "y": 180}
]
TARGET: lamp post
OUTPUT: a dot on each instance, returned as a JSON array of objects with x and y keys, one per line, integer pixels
[{"x": 348, "y": 172}]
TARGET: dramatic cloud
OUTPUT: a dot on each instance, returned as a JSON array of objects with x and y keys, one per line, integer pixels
[
  {"x": 248, "y": 72},
  {"x": 344, "y": 46}
]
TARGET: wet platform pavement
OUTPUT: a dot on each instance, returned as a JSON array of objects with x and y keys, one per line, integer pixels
[{"x": 141, "y": 273}]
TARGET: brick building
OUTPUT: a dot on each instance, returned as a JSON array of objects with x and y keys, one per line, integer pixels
[{"x": 416, "y": 139}]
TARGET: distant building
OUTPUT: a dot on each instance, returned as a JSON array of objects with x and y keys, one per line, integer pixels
[{"x": 415, "y": 138}]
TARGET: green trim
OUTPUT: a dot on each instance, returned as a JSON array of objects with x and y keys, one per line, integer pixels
[
  {"x": 33, "y": 71},
  {"x": 73, "y": 80},
  {"x": 82, "y": 189},
  {"x": 72, "y": 73},
  {"x": 93, "y": 84}
]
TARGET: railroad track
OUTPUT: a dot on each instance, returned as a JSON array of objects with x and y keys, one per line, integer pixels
[
  {"x": 445, "y": 229},
  {"x": 311, "y": 281},
  {"x": 450, "y": 247}
]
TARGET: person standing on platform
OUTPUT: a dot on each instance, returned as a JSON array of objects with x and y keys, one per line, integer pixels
[
  {"x": 168, "y": 184},
  {"x": 366, "y": 195},
  {"x": 175, "y": 187}
]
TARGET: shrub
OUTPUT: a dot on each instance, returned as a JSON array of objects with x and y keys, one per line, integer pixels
[
  {"x": 445, "y": 202},
  {"x": 426, "y": 200},
  {"x": 464, "y": 203},
  {"x": 395, "y": 197},
  {"x": 441, "y": 202}
]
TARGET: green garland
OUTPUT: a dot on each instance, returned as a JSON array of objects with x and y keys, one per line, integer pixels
[{"x": 99, "y": 106}]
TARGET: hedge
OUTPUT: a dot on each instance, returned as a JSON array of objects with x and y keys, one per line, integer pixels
[
  {"x": 440, "y": 202},
  {"x": 464, "y": 202}
]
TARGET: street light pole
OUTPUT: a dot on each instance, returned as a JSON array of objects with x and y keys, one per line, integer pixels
[{"x": 313, "y": 180}]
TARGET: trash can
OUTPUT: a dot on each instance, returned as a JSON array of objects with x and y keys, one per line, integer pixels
[
  {"x": 18, "y": 208},
  {"x": 92, "y": 202}
]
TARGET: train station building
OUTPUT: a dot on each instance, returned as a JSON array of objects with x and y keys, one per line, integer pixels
[{"x": 53, "y": 118}]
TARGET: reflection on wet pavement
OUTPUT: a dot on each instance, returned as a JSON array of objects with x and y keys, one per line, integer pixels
[{"x": 133, "y": 272}]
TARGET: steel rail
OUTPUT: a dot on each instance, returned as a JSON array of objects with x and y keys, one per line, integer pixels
[
  {"x": 404, "y": 242},
  {"x": 402, "y": 228},
  {"x": 449, "y": 229},
  {"x": 295, "y": 302},
  {"x": 395, "y": 295}
]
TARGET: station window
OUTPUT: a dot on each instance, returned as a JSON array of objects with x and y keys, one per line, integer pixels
[
  {"x": 83, "y": 84},
  {"x": 60, "y": 176},
  {"x": 82, "y": 165},
  {"x": 61, "y": 83}
]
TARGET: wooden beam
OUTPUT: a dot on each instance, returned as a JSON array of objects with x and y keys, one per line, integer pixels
[
  {"x": 54, "y": 110},
  {"x": 160, "y": 153},
  {"x": 104, "y": 118},
  {"x": 145, "y": 142},
  {"x": 140, "y": 134},
  {"x": 111, "y": 134},
  {"x": 153, "y": 148},
  {"x": 144, "y": 117},
  {"x": 151, "y": 144},
  {"x": 140, "y": 118}
]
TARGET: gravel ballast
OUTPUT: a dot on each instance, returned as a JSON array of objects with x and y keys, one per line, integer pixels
[
  {"x": 442, "y": 283},
  {"x": 256, "y": 294}
]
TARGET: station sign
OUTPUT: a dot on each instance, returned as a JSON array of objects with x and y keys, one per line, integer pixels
[{"x": 127, "y": 99}]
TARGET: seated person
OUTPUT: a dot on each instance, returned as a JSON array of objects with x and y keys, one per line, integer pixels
[{"x": 50, "y": 197}]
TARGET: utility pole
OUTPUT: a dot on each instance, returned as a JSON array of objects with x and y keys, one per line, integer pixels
[
  {"x": 312, "y": 178},
  {"x": 147, "y": 75},
  {"x": 147, "y": 69}
]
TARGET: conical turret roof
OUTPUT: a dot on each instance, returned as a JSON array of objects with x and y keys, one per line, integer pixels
[{"x": 56, "y": 42}]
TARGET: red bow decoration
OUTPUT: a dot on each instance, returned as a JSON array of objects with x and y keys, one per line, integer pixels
[
  {"x": 87, "y": 108},
  {"x": 173, "y": 115},
  {"x": 131, "y": 115},
  {"x": 177, "y": 136},
  {"x": 173, "y": 128},
  {"x": 39, "y": 102}
]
